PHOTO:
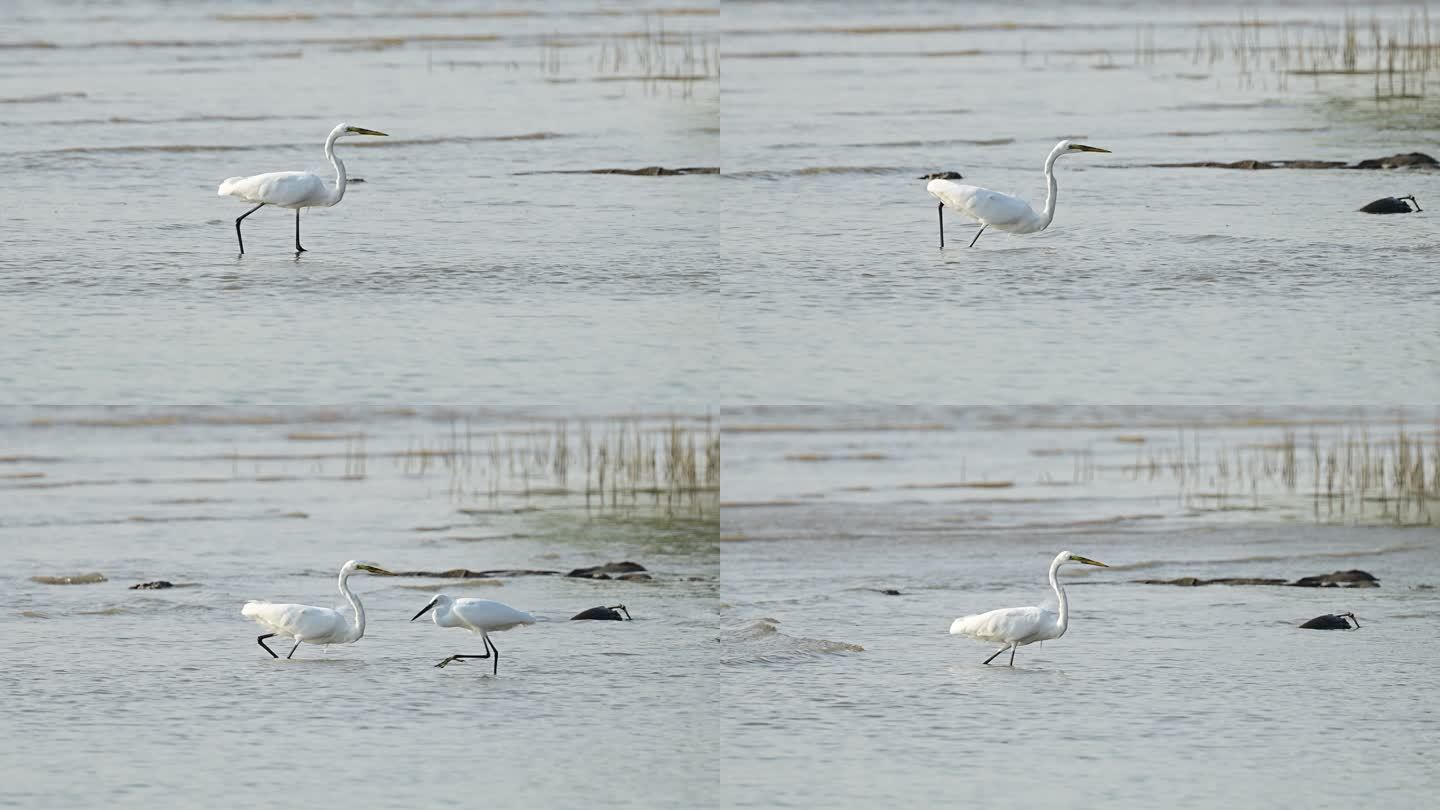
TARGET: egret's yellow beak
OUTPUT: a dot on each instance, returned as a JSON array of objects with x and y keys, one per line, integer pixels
[
  {"x": 1083, "y": 148},
  {"x": 1087, "y": 560},
  {"x": 364, "y": 131}
]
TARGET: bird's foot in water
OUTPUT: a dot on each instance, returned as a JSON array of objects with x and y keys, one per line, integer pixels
[
  {"x": 442, "y": 664},
  {"x": 299, "y": 249}
]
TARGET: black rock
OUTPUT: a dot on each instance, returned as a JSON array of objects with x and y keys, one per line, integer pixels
[
  {"x": 1332, "y": 621},
  {"x": 158, "y": 584},
  {"x": 602, "y": 571},
  {"x": 1391, "y": 205},
  {"x": 1407, "y": 160},
  {"x": 611, "y": 614},
  {"x": 942, "y": 176},
  {"x": 1339, "y": 579}
]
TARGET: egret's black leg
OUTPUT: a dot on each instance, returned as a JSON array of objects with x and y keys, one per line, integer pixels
[
  {"x": 242, "y": 253},
  {"x": 997, "y": 654},
  {"x": 261, "y": 640},
  {"x": 458, "y": 657},
  {"x": 1012, "y": 654},
  {"x": 491, "y": 645},
  {"x": 298, "y": 249},
  {"x": 292, "y": 650},
  {"x": 977, "y": 235},
  {"x": 941, "y": 212}
]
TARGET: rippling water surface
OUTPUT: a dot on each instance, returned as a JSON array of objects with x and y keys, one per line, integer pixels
[
  {"x": 1152, "y": 285},
  {"x": 852, "y": 538},
  {"x": 149, "y": 697},
  {"x": 454, "y": 270}
]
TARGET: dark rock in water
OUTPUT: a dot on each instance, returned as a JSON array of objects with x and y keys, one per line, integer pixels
[
  {"x": 648, "y": 171},
  {"x": 889, "y": 591},
  {"x": 611, "y": 614},
  {"x": 1332, "y": 621},
  {"x": 1190, "y": 581},
  {"x": 1408, "y": 160},
  {"x": 602, "y": 571},
  {"x": 1391, "y": 205},
  {"x": 635, "y": 577},
  {"x": 1413, "y": 160},
  {"x": 466, "y": 573},
  {"x": 1339, "y": 579},
  {"x": 157, "y": 585},
  {"x": 942, "y": 176}
]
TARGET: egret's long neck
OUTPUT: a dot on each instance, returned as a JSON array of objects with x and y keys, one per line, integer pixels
[
  {"x": 1050, "y": 192},
  {"x": 359, "y": 627},
  {"x": 339, "y": 192},
  {"x": 1055, "y": 566}
]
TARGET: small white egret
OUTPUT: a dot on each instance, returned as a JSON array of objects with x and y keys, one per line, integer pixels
[
  {"x": 483, "y": 616},
  {"x": 314, "y": 625},
  {"x": 1016, "y": 627},
  {"x": 293, "y": 189},
  {"x": 1002, "y": 211}
]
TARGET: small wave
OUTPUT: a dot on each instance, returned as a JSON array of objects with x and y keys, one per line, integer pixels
[
  {"x": 456, "y": 585},
  {"x": 43, "y": 98},
  {"x": 34, "y": 614},
  {"x": 760, "y": 641},
  {"x": 110, "y": 611}
]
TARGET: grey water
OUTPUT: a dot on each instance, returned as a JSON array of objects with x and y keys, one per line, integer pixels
[
  {"x": 161, "y": 697},
  {"x": 850, "y": 542},
  {"x": 460, "y": 266},
  {"x": 1174, "y": 285}
]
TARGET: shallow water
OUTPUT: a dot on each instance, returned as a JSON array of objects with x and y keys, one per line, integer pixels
[
  {"x": 1152, "y": 285},
  {"x": 163, "y": 696},
  {"x": 450, "y": 273}
]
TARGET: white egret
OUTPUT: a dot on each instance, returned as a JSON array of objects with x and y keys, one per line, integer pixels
[
  {"x": 1016, "y": 627},
  {"x": 483, "y": 616},
  {"x": 314, "y": 625},
  {"x": 293, "y": 189},
  {"x": 1002, "y": 211}
]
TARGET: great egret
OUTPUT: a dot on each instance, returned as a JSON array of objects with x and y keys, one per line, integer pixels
[
  {"x": 293, "y": 189},
  {"x": 314, "y": 625},
  {"x": 1332, "y": 621},
  {"x": 1002, "y": 211},
  {"x": 483, "y": 616},
  {"x": 1016, "y": 627}
]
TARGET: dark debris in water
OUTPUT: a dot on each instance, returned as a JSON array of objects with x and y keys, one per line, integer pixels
[
  {"x": 626, "y": 569},
  {"x": 648, "y": 171},
  {"x": 1339, "y": 579},
  {"x": 1391, "y": 205},
  {"x": 162, "y": 584},
  {"x": 611, "y": 614},
  {"x": 1409, "y": 160},
  {"x": 942, "y": 176}
]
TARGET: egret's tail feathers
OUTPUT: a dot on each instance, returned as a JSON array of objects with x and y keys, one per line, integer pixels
[
  {"x": 227, "y": 187},
  {"x": 252, "y": 607},
  {"x": 959, "y": 626}
]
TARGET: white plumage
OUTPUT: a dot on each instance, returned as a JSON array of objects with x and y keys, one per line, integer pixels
[
  {"x": 1018, "y": 626},
  {"x": 482, "y": 616},
  {"x": 308, "y": 624},
  {"x": 293, "y": 189},
  {"x": 1002, "y": 211}
]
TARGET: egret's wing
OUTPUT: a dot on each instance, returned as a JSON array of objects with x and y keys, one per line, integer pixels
[
  {"x": 276, "y": 188},
  {"x": 296, "y": 621},
  {"x": 990, "y": 207},
  {"x": 1006, "y": 624},
  {"x": 490, "y": 615}
]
